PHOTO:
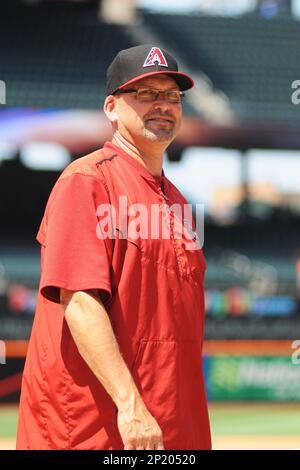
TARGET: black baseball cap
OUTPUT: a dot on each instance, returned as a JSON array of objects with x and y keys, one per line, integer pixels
[{"x": 138, "y": 62}]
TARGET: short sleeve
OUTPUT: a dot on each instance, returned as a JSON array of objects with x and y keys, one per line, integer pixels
[{"x": 74, "y": 257}]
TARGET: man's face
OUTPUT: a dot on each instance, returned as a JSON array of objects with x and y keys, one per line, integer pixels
[{"x": 157, "y": 120}]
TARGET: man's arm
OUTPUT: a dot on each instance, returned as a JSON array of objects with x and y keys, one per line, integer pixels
[{"x": 92, "y": 332}]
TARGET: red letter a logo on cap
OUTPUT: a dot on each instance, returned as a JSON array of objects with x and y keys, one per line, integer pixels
[{"x": 155, "y": 57}]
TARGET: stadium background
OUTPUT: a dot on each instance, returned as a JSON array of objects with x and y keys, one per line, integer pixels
[{"x": 238, "y": 153}]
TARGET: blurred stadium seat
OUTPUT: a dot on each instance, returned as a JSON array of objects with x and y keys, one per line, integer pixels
[
  {"x": 56, "y": 54},
  {"x": 250, "y": 59}
]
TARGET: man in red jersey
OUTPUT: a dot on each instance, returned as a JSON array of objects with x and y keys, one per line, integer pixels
[{"x": 115, "y": 355}]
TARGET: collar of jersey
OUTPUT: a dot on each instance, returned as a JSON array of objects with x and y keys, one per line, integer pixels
[{"x": 138, "y": 166}]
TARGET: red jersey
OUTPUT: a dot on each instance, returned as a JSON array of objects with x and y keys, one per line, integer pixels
[{"x": 152, "y": 289}]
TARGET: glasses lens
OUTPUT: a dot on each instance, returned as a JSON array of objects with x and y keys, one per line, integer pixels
[
  {"x": 146, "y": 94},
  {"x": 150, "y": 94},
  {"x": 174, "y": 96}
]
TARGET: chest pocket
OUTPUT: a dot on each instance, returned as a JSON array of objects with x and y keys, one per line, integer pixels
[{"x": 167, "y": 240}]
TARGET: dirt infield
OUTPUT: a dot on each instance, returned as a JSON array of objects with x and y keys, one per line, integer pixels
[
  {"x": 256, "y": 442},
  {"x": 224, "y": 443},
  {"x": 7, "y": 443}
]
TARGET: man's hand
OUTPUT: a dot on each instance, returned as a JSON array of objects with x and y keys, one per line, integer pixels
[{"x": 139, "y": 430}]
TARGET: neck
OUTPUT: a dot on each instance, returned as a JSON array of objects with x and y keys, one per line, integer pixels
[{"x": 151, "y": 159}]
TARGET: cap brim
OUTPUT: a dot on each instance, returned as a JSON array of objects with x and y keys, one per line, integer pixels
[{"x": 184, "y": 81}]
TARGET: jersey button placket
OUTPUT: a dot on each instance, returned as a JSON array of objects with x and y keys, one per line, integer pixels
[{"x": 169, "y": 218}]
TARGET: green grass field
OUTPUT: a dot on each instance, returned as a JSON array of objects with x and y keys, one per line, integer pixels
[
  {"x": 8, "y": 421},
  {"x": 234, "y": 425},
  {"x": 255, "y": 418}
]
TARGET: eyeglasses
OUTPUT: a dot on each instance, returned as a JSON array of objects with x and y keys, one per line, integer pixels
[{"x": 152, "y": 94}]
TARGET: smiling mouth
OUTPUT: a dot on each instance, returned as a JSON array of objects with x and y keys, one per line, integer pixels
[{"x": 159, "y": 119}]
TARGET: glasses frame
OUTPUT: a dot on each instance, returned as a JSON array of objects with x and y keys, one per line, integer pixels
[{"x": 135, "y": 90}]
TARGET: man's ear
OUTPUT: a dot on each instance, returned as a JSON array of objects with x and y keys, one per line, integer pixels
[{"x": 109, "y": 108}]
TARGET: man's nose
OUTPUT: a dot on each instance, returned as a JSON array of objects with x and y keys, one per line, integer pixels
[{"x": 162, "y": 104}]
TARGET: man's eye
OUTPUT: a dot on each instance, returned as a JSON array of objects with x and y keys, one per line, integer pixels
[{"x": 173, "y": 95}]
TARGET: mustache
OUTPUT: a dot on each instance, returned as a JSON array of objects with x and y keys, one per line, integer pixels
[{"x": 166, "y": 115}]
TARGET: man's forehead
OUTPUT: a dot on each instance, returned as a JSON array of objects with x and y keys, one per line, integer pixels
[{"x": 156, "y": 81}]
